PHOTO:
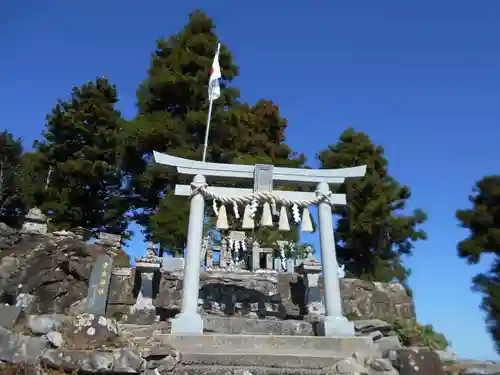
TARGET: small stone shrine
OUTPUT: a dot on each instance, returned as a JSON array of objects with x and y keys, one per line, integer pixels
[{"x": 35, "y": 222}]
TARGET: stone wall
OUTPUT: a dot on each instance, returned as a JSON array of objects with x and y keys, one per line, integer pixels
[{"x": 269, "y": 295}]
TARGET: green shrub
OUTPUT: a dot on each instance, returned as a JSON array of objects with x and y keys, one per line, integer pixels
[
  {"x": 411, "y": 333},
  {"x": 352, "y": 316},
  {"x": 118, "y": 316}
]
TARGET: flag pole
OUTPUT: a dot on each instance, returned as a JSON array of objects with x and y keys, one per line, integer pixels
[
  {"x": 207, "y": 130},
  {"x": 209, "y": 117}
]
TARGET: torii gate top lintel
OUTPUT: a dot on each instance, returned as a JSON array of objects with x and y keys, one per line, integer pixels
[{"x": 280, "y": 174}]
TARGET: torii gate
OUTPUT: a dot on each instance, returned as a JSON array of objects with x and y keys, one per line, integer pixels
[{"x": 189, "y": 321}]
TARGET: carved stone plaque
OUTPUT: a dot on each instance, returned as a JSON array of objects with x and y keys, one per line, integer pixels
[{"x": 263, "y": 177}]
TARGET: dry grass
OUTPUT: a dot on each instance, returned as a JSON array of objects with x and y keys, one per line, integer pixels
[{"x": 22, "y": 369}]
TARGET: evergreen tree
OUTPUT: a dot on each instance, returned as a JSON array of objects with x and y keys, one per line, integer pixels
[
  {"x": 483, "y": 223},
  {"x": 34, "y": 179},
  {"x": 372, "y": 234},
  {"x": 173, "y": 107},
  {"x": 11, "y": 204},
  {"x": 79, "y": 155}
]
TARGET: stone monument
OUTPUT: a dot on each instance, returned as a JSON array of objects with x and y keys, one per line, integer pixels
[
  {"x": 189, "y": 321},
  {"x": 98, "y": 289},
  {"x": 35, "y": 222}
]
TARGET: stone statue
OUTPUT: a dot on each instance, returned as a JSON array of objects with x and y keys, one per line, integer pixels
[
  {"x": 341, "y": 272},
  {"x": 309, "y": 253},
  {"x": 151, "y": 250}
]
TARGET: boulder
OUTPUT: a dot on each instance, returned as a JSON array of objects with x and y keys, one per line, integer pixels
[
  {"x": 121, "y": 361},
  {"x": 8, "y": 236},
  {"x": 43, "y": 324},
  {"x": 88, "y": 331},
  {"x": 18, "y": 348},
  {"x": 415, "y": 362}
]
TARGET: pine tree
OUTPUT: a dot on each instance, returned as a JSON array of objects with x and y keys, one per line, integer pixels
[
  {"x": 34, "y": 179},
  {"x": 372, "y": 233},
  {"x": 79, "y": 155},
  {"x": 483, "y": 223},
  {"x": 11, "y": 203},
  {"x": 173, "y": 107}
]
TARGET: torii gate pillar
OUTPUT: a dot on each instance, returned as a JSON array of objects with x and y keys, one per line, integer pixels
[
  {"x": 189, "y": 321},
  {"x": 333, "y": 323}
]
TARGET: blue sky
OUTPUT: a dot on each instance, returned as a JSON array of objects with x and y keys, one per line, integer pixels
[{"x": 420, "y": 77}]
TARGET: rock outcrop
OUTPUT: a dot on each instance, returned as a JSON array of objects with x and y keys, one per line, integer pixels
[
  {"x": 44, "y": 273},
  {"x": 51, "y": 273}
]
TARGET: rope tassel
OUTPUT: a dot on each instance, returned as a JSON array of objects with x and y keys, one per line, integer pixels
[
  {"x": 248, "y": 222},
  {"x": 235, "y": 210},
  {"x": 306, "y": 221},
  {"x": 267, "y": 219},
  {"x": 214, "y": 207},
  {"x": 222, "y": 218},
  {"x": 283, "y": 224}
]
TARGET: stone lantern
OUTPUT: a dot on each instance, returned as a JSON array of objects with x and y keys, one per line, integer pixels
[{"x": 147, "y": 266}]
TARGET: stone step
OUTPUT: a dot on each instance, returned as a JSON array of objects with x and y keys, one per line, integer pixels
[
  {"x": 336, "y": 346},
  {"x": 248, "y": 326},
  {"x": 250, "y": 370},
  {"x": 253, "y": 359}
]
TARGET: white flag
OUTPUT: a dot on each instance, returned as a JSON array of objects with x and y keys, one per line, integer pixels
[{"x": 215, "y": 75}]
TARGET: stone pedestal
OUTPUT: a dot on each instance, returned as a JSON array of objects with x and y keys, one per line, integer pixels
[
  {"x": 35, "y": 222},
  {"x": 290, "y": 265}
]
